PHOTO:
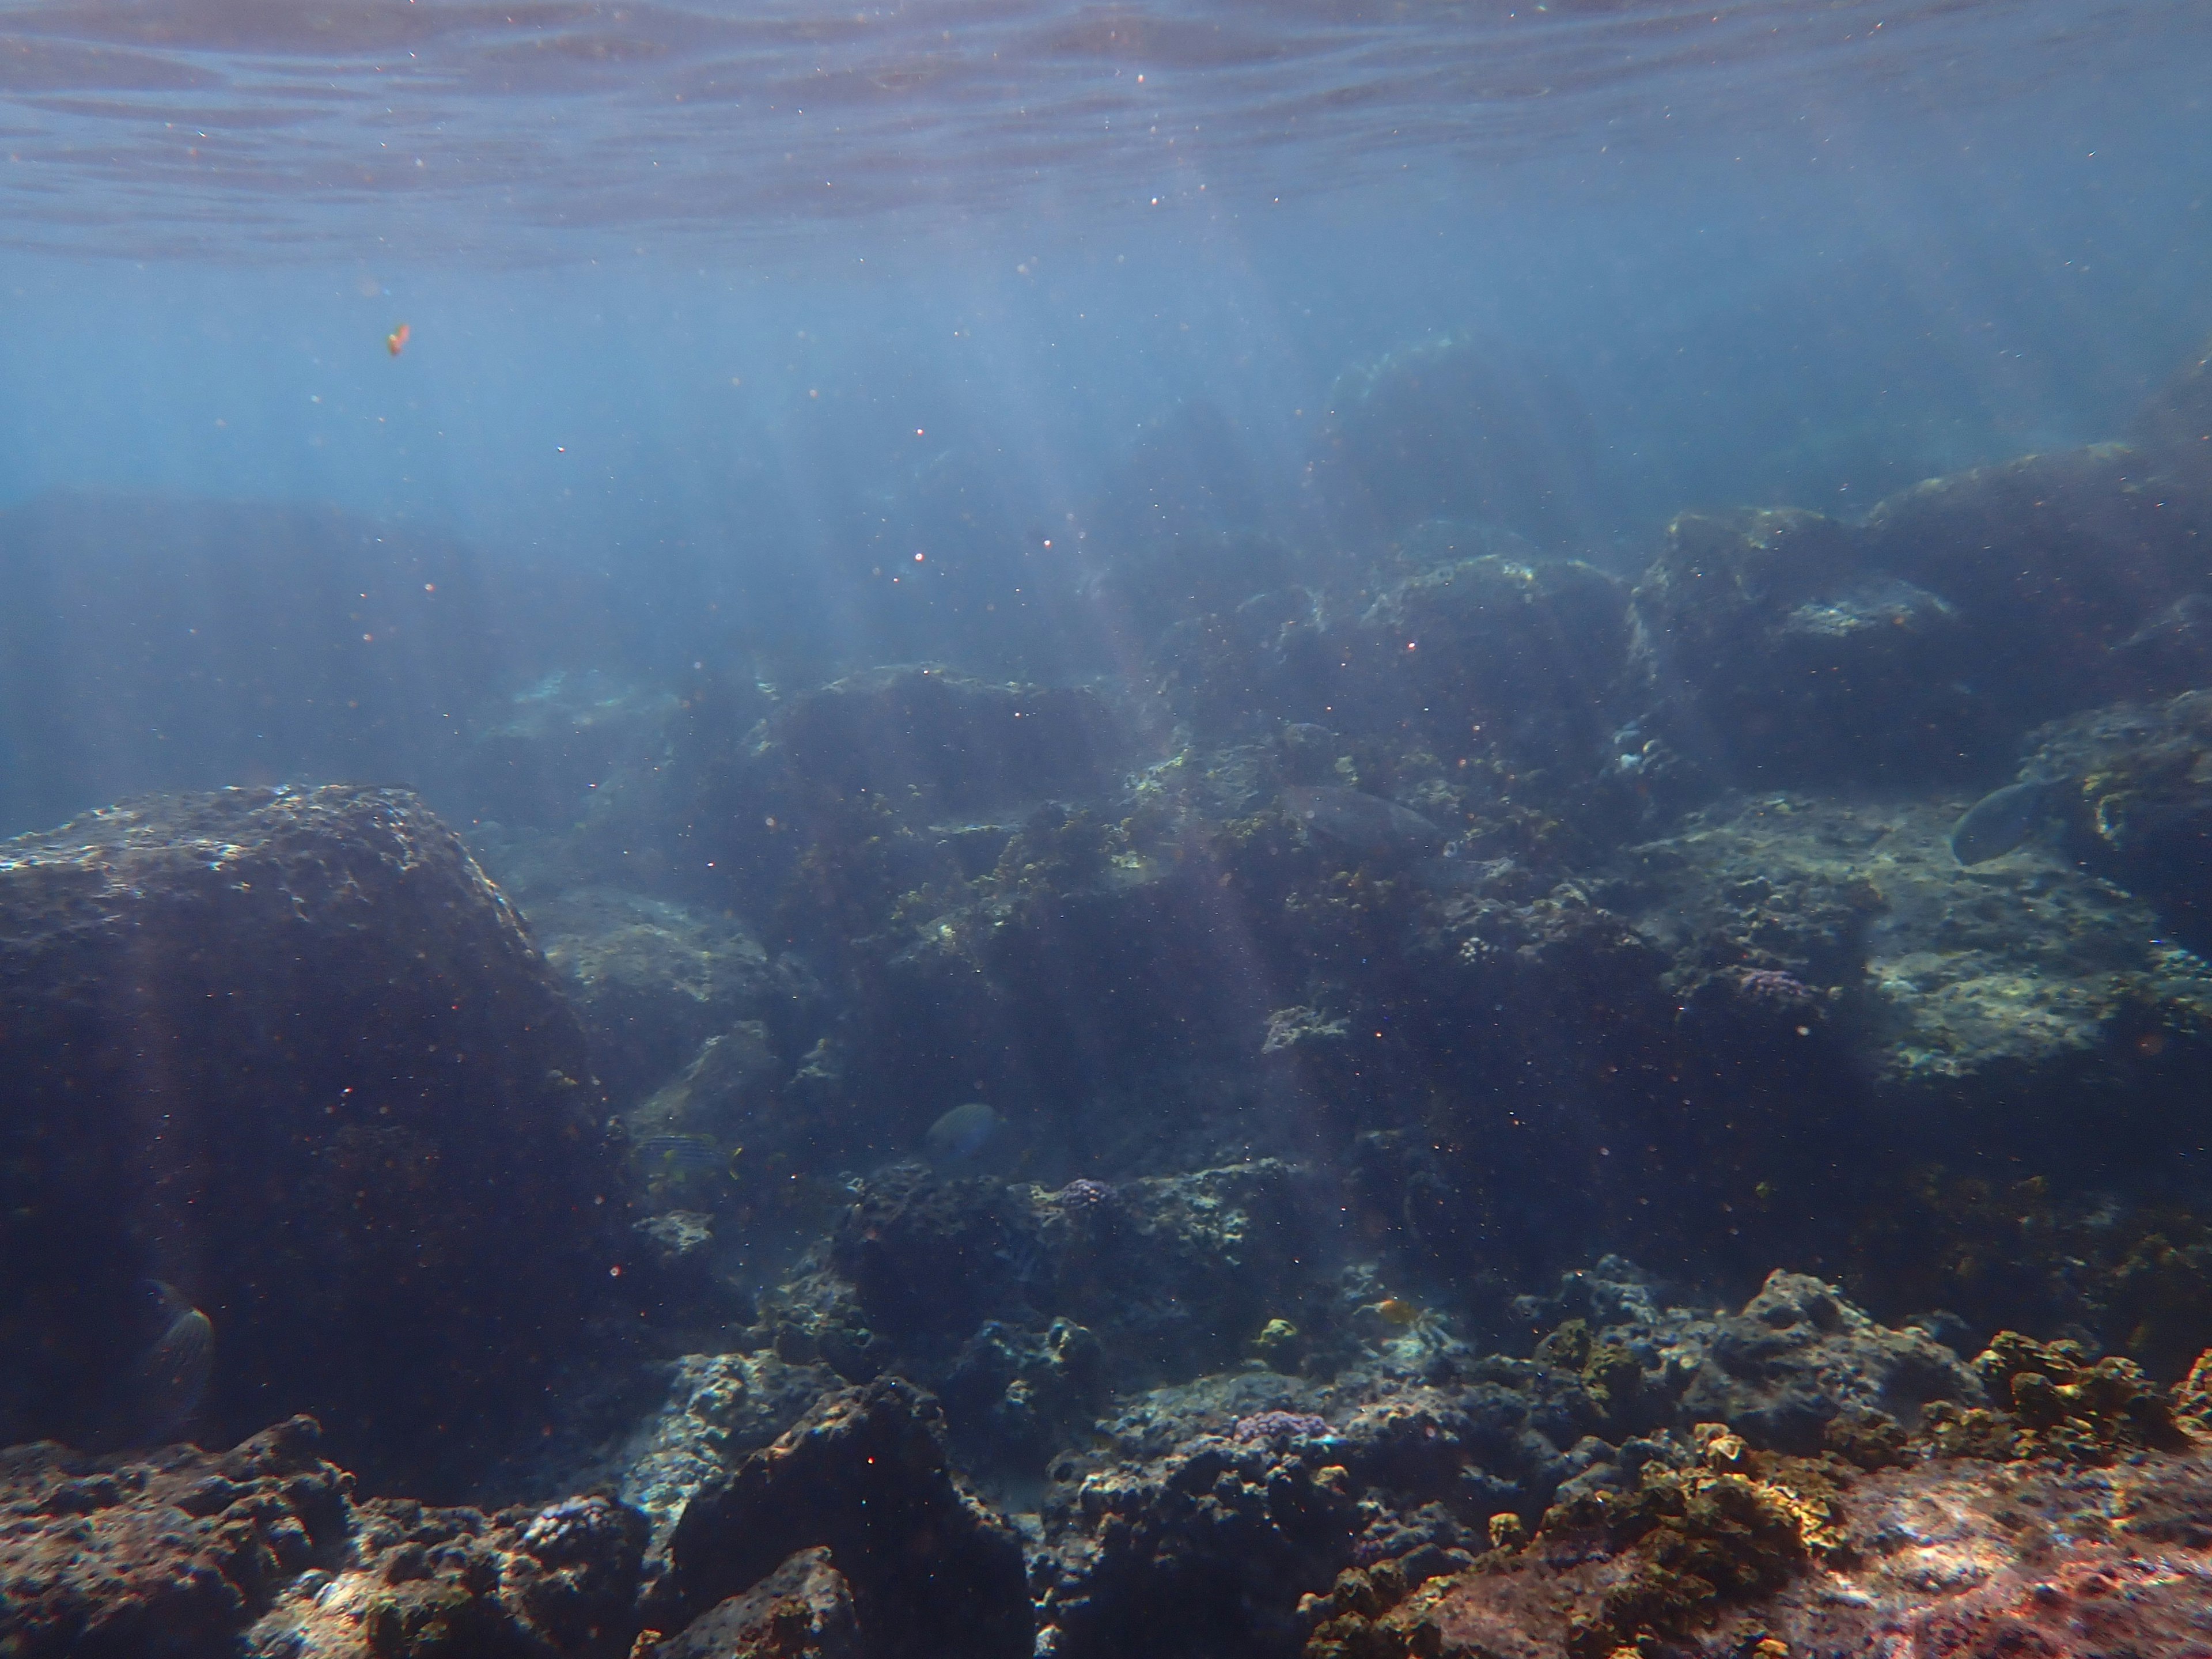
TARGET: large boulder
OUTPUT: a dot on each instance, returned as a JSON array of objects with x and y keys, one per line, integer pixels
[
  {"x": 285, "y": 1056},
  {"x": 865, "y": 1475}
]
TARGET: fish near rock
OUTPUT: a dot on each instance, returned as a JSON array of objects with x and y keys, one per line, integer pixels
[
  {"x": 963, "y": 1135},
  {"x": 1366, "y": 822},
  {"x": 2003, "y": 818},
  {"x": 2186, "y": 622}
]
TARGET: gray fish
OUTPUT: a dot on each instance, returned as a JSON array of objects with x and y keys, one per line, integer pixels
[
  {"x": 2187, "y": 620},
  {"x": 962, "y": 1134},
  {"x": 678, "y": 1152},
  {"x": 2003, "y": 818},
  {"x": 170, "y": 1378},
  {"x": 1367, "y": 823}
]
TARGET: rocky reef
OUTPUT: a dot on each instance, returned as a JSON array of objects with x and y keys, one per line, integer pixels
[{"x": 960, "y": 1166}]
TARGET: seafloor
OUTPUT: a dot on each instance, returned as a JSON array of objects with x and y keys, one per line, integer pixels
[{"x": 1463, "y": 1106}]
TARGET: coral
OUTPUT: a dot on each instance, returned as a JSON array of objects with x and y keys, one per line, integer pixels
[{"x": 2061, "y": 1404}]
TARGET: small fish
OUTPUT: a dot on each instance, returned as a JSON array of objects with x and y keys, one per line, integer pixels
[
  {"x": 396, "y": 342},
  {"x": 1396, "y": 1310},
  {"x": 962, "y": 1134},
  {"x": 2003, "y": 818},
  {"x": 1367, "y": 823},
  {"x": 678, "y": 1152},
  {"x": 170, "y": 1377},
  {"x": 2188, "y": 620}
]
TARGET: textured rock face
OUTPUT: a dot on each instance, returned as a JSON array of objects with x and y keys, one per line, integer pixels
[
  {"x": 1916, "y": 648},
  {"x": 864, "y": 1474},
  {"x": 652, "y": 981},
  {"x": 1799, "y": 1357},
  {"x": 803, "y": 1610},
  {"x": 170, "y": 1554},
  {"x": 289, "y": 1051},
  {"x": 415, "y": 1582}
]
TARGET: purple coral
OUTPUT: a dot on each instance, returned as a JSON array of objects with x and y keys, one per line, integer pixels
[
  {"x": 1777, "y": 989},
  {"x": 1084, "y": 1194},
  {"x": 1282, "y": 1425}
]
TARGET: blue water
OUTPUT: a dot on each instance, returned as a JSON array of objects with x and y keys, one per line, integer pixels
[{"x": 701, "y": 297}]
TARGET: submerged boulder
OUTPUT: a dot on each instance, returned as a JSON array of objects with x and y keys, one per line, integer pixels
[
  {"x": 287, "y": 1051},
  {"x": 865, "y": 1475}
]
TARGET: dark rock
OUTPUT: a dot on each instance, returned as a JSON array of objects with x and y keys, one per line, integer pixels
[
  {"x": 417, "y": 1582},
  {"x": 803, "y": 1610},
  {"x": 1798, "y": 1356},
  {"x": 1780, "y": 651},
  {"x": 863, "y": 1474},
  {"x": 288, "y": 1050},
  {"x": 170, "y": 1554},
  {"x": 654, "y": 980},
  {"x": 1523, "y": 658},
  {"x": 2049, "y": 561}
]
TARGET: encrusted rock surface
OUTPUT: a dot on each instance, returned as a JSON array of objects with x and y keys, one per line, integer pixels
[
  {"x": 803, "y": 1610},
  {"x": 288, "y": 1050},
  {"x": 171, "y": 1553},
  {"x": 865, "y": 1475},
  {"x": 1963, "y": 1558}
]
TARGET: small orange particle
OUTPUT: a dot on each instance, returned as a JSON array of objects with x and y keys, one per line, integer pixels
[{"x": 396, "y": 342}]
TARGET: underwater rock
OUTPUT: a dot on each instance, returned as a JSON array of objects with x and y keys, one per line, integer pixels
[
  {"x": 1172, "y": 1276},
  {"x": 1225, "y": 1513},
  {"x": 2009, "y": 1006},
  {"x": 171, "y": 1553},
  {"x": 803, "y": 1610},
  {"x": 1958, "y": 1558},
  {"x": 2173, "y": 428},
  {"x": 1800, "y": 1356},
  {"x": 2051, "y": 1400},
  {"x": 2048, "y": 560},
  {"x": 305, "y": 1015},
  {"x": 718, "y": 1407},
  {"x": 1774, "y": 644},
  {"x": 940, "y": 743},
  {"x": 1240, "y": 670},
  {"x": 416, "y": 1582},
  {"x": 1524, "y": 658},
  {"x": 652, "y": 979},
  {"x": 864, "y": 1474}
]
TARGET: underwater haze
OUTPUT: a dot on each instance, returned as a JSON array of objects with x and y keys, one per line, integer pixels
[{"x": 1302, "y": 830}]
